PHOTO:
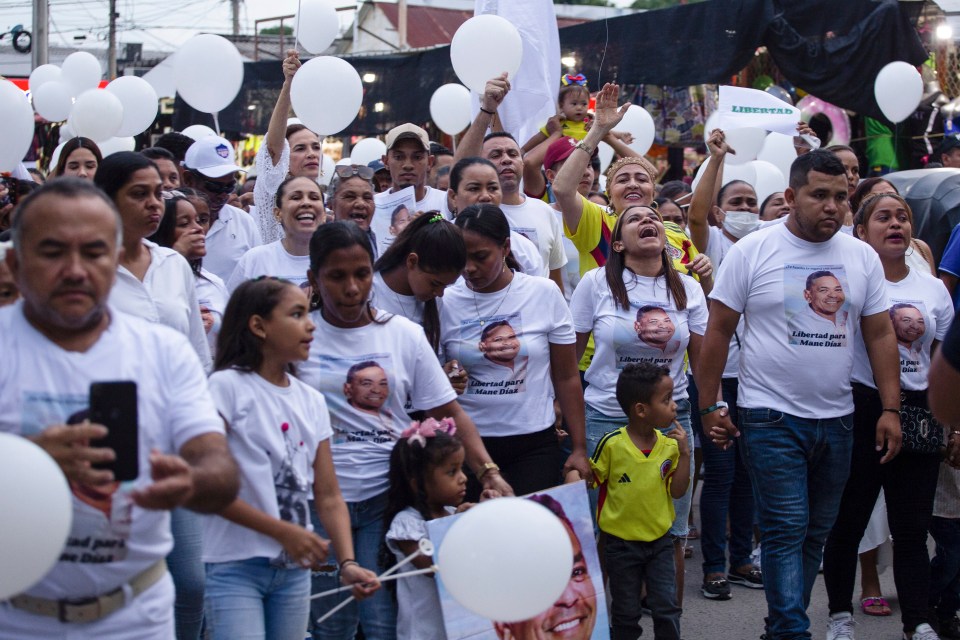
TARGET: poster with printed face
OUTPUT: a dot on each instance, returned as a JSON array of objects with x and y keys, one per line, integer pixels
[
  {"x": 580, "y": 613},
  {"x": 649, "y": 333},
  {"x": 493, "y": 352},
  {"x": 527, "y": 232},
  {"x": 393, "y": 213},
  {"x": 816, "y": 305},
  {"x": 358, "y": 390},
  {"x": 909, "y": 318},
  {"x": 102, "y": 514}
]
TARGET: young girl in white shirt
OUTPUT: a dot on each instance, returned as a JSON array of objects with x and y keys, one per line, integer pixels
[
  {"x": 426, "y": 482},
  {"x": 260, "y": 549}
]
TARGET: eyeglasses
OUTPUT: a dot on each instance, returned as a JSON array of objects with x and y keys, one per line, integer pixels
[
  {"x": 220, "y": 188},
  {"x": 345, "y": 171}
]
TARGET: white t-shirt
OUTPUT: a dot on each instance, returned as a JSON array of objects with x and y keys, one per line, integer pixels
[
  {"x": 419, "y": 615},
  {"x": 536, "y": 220},
  {"x": 570, "y": 274},
  {"x": 527, "y": 256},
  {"x": 212, "y": 294},
  {"x": 433, "y": 200},
  {"x": 111, "y": 540},
  {"x": 273, "y": 434},
  {"x": 717, "y": 247},
  {"x": 660, "y": 334},
  {"x": 390, "y": 364},
  {"x": 167, "y": 295},
  {"x": 232, "y": 234},
  {"x": 793, "y": 359},
  {"x": 270, "y": 260},
  {"x": 384, "y": 298},
  {"x": 925, "y": 316},
  {"x": 502, "y": 340}
]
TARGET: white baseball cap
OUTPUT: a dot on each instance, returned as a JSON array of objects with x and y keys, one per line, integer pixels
[{"x": 212, "y": 156}]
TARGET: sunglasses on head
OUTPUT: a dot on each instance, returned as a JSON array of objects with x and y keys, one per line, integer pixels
[
  {"x": 213, "y": 186},
  {"x": 349, "y": 170}
]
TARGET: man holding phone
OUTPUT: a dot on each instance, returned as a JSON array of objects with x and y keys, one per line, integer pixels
[{"x": 58, "y": 342}]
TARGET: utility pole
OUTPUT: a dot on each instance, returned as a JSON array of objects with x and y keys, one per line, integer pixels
[
  {"x": 402, "y": 23},
  {"x": 112, "y": 46},
  {"x": 235, "y": 10},
  {"x": 41, "y": 33}
]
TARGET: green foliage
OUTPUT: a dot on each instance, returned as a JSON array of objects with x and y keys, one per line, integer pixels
[{"x": 275, "y": 31}]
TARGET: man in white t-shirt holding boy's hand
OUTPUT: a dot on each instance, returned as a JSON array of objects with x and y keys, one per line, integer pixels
[
  {"x": 795, "y": 395},
  {"x": 111, "y": 581}
]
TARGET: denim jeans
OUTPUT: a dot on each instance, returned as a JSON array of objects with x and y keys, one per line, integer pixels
[
  {"x": 599, "y": 424},
  {"x": 798, "y": 468},
  {"x": 725, "y": 493},
  {"x": 945, "y": 567},
  {"x": 376, "y": 614},
  {"x": 909, "y": 483},
  {"x": 252, "y": 600},
  {"x": 186, "y": 568},
  {"x": 630, "y": 564}
]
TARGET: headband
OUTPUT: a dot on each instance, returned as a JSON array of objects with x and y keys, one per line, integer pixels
[
  {"x": 420, "y": 431},
  {"x": 569, "y": 80}
]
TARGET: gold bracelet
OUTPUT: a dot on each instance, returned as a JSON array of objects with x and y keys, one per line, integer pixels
[{"x": 486, "y": 467}]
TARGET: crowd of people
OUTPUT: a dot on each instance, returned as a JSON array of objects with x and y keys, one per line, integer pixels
[{"x": 310, "y": 395}]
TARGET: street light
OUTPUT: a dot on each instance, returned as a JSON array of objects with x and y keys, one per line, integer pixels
[{"x": 944, "y": 32}]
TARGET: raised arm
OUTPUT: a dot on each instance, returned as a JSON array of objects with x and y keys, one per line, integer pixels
[
  {"x": 493, "y": 95},
  {"x": 277, "y": 129},
  {"x": 705, "y": 194},
  {"x": 534, "y": 184},
  {"x": 565, "y": 185}
]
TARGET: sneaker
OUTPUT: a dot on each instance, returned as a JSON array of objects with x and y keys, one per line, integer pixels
[
  {"x": 950, "y": 628},
  {"x": 924, "y": 632},
  {"x": 718, "y": 589},
  {"x": 841, "y": 626},
  {"x": 752, "y": 579},
  {"x": 755, "y": 557}
]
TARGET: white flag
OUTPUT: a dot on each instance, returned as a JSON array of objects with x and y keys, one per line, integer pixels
[{"x": 740, "y": 108}]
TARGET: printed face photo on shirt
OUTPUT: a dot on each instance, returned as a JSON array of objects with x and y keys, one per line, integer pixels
[
  {"x": 648, "y": 332},
  {"x": 579, "y": 613},
  {"x": 816, "y": 305},
  {"x": 529, "y": 233},
  {"x": 493, "y": 352},
  {"x": 910, "y": 326},
  {"x": 360, "y": 391}
]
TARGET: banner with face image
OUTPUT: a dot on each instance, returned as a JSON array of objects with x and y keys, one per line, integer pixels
[
  {"x": 581, "y": 611},
  {"x": 393, "y": 212}
]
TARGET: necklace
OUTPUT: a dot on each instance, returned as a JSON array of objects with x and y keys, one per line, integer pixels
[
  {"x": 506, "y": 294},
  {"x": 400, "y": 302}
]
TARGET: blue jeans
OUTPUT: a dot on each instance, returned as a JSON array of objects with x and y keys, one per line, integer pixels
[
  {"x": 252, "y": 600},
  {"x": 798, "y": 467},
  {"x": 599, "y": 424},
  {"x": 726, "y": 493},
  {"x": 630, "y": 564},
  {"x": 945, "y": 567},
  {"x": 378, "y": 613},
  {"x": 186, "y": 569}
]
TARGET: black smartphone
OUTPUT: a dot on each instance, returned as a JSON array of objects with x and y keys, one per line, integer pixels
[{"x": 114, "y": 405}]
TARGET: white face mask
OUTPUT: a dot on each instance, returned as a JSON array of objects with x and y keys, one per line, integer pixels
[{"x": 740, "y": 223}]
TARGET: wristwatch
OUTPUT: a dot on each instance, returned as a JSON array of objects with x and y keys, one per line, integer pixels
[
  {"x": 485, "y": 467},
  {"x": 583, "y": 146},
  {"x": 714, "y": 407}
]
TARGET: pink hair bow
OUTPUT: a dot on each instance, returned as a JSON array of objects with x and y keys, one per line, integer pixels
[{"x": 420, "y": 431}]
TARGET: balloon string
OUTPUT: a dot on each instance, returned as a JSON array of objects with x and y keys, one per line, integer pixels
[{"x": 216, "y": 121}]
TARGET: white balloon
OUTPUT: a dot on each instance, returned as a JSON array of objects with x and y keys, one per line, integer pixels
[
  {"x": 16, "y": 131},
  {"x": 450, "y": 108},
  {"x": 696, "y": 178},
  {"x": 507, "y": 559},
  {"x": 140, "y": 104},
  {"x": 53, "y": 100},
  {"x": 898, "y": 90},
  {"x": 709, "y": 126},
  {"x": 326, "y": 170},
  {"x": 346, "y": 161},
  {"x": 745, "y": 172},
  {"x": 368, "y": 150},
  {"x": 484, "y": 47},
  {"x": 37, "y": 514},
  {"x": 55, "y": 156},
  {"x": 747, "y": 143},
  {"x": 43, "y": 74},
  {"x": 326, "y": 94},
  {"x": 605, "y": 152},
  {"x": 82, "y": 71},
  {"x": 769, "y": 179},
  {"x": 115, "y": 145},
  {"x": 97, "y": 115},
  {"x": 197, "y": 131},
  {"x": 317, "y": 25},
  {"x": 779, "y": 151},
  {"x": 209, "y": 72},
  {"x": 638, "y": 122}
]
